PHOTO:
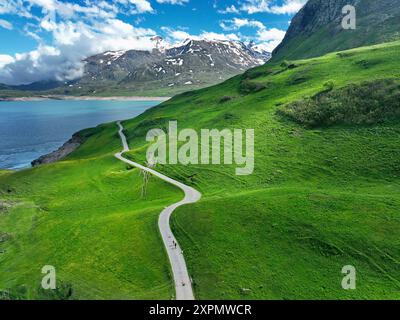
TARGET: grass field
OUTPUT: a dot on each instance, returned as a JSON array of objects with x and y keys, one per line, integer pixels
[
  {"x": 320, "y": 198},
  {"x": 86, "y": 217}
]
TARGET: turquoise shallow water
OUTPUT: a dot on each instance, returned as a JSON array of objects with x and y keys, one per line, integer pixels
[{"x": 29, "y": 129}]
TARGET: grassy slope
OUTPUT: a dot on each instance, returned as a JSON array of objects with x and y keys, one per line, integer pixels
[
  {"x": 318, "y": 200},
  {"x": 85, "y": 216}
]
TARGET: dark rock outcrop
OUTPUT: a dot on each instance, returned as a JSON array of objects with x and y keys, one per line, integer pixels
[{"x": 67, "y": 148}]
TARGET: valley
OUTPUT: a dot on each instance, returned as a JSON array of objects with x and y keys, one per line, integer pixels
[
  {"x": 323, "y": 195},
  {"x": 319, "y": 198}
]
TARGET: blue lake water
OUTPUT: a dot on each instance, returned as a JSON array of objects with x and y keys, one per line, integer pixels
[{"x": 29, "y": 129}]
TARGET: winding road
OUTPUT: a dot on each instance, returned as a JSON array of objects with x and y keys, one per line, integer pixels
[{"x": 183, "y": 284}]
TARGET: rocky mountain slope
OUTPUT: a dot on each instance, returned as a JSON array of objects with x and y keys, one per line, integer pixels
[
  {"x": 194, "y": 63},
  {"x": 317, "y": 28},
  {"x": 165, "y": 70}
]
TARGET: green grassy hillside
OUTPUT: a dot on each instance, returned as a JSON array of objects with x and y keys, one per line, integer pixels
[
  {"x": 86, "y": 217},
  {"x": 320, "y": 198}
]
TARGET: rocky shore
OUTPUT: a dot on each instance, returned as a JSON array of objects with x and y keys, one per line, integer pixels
[{"x": 67, "y": 148}]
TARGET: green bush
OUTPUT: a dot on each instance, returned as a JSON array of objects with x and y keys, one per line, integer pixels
[
  {"x": 366, "y": 103},
  {"x": 288, "y": 65},
  {"x": 247, "y": 87},
  {"x": 255, "y": 73},
  {"x": 329, "y": 85},
  {"x": 64, "y": 291},
  {"x": 18, "y": 293},
  {"x": 225, "y": 99}
]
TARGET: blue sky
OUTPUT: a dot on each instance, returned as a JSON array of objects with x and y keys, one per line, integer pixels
[{"x": 43, "y": 39}]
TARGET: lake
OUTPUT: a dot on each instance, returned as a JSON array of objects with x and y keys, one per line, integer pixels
[{"x": 29, "y": 129}]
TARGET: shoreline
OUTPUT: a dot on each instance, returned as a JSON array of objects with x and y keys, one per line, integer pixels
[
  {"x": 75, "y": 141},
  {"x": 67, "y": 148},
  {"x": 86, "y": 98}
]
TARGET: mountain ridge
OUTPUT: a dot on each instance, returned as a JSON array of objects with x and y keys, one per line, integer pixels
[
  {"x": 164, "y": 71},
  {"x": 317, "y": 28}
]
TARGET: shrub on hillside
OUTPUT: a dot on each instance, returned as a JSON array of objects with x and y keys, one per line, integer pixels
[
  {"x": 329, "y": 85},
  {"x": 298, "y": 78},
  {"x": 288, "y": 65},
  {"x": 285, "y": 63},
  {"x": 64, "y": 291},
  {"x": 225, "y": 99},
  {"x": 247, "y": 87},
  {"x": 256, "y": 73},
  {"x": 366, "y": 103}
]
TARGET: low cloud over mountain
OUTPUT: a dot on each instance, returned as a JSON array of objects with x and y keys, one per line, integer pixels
[{"x": 67, "y": 32}]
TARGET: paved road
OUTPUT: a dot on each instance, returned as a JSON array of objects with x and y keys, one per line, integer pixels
[{"x": 183, "y": 285}]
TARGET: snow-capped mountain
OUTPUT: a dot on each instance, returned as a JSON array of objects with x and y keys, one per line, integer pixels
[
  {"x": 259, "y": 51},
  {"x": 190, "y": 64},
  {"x": 166, "y": 70}
]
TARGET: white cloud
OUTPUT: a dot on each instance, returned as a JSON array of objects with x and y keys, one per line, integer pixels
[
  {"x": 288, "y": 7},
  {"x": 218, "y": 36},
  {"x": 268, "y": 46},
  {"x": 48, "y": 5},
  {"x": 67, "y": 10},
  {"x": 5, "y": 59},
  {"x": 257, "y": 6},
  {"x": 38, "y": 65},
  {"x": 5, "y": 24},
  {"x": 142, "y": 6},
  {"x": 271, "y": 34},
  {"x": 269, "y": 39},
  {"x": 73, "y": 42},
  {"x": 101, "y": 9},
  {"x": 174, "y": 36},
  {"x": 237, "y": 23},
  {"x": 180, "y": 2},
  {"x": 48, "y": 24},
  {"x": 231, "y": 9},
  {"x": 77, "y": 30},
  {"x": 14, "y": 7}
]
